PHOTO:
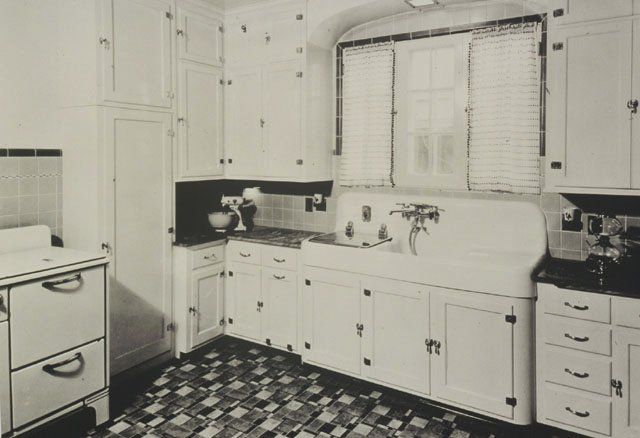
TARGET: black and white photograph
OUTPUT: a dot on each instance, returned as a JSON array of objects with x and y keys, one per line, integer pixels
[{"x": 319, "y": 218}]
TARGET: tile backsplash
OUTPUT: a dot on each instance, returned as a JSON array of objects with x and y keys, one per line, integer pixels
[
  {"x": 288, "y": 211},
  {"x": 31, "y": 188}
]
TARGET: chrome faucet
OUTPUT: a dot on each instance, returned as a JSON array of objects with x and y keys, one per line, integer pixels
[{"x": 417, "y": 214}]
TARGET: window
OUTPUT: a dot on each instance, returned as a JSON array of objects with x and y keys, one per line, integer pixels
[{"x": 430, "y": 130}]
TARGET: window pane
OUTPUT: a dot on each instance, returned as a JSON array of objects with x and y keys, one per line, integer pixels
[
  {"x": 444, "y": 68},
  {"x": 420, "y": 111},
  {"x": 420, "y": 70},
  {"x": 443, "y": 111},
  {"x": 445, "y": 154},
  {"x": 421, "y": 162}
]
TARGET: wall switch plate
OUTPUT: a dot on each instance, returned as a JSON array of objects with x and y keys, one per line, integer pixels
[{"x": 572, "y": 219}]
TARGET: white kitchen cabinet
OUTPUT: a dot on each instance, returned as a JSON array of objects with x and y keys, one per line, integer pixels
[
  {"x": 626, "y": 372},
  {"x": 332, "y": 320},
  {"x": 589, "y": 144},
  {"x": 573, "y": 11},
  {"x": 137, "y": 217},
  {"x": 245, "y": 38},
  {"x": 473, "y": 356},
  {"x": 243, "y": 292},
  {"x": 285, "y": 33},
  {"x": 395, "y": 316},
  {"x": 199, "y": 35},
  {"x": 200, "y": 121},
  {"x": 136, "y": 52},
  {"x": 279, "y": 313},
  {"x": 207, "y": 304},
  {"x": 5, "y": 392}
]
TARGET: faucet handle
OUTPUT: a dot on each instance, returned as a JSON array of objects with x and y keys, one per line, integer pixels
[
  {"x": 348, "y": 230},
  {"x": 383, "y": 232}
]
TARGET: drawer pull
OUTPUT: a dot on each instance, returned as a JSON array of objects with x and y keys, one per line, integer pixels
[
  {"x": 209, "y": 257},
  {"x": 578, "y": 375},
  {"x": 242, "y": 254},
  {"x": 582, "y": 308},
  {"x": 279, "y": 277},
  {"x": 578, "y": 413},
  {"x": 576, "y": 338},
  {"x": 51, "y": 368},
  {"x": 277, "y": 260},
  {"x": 53, "y": 285}
]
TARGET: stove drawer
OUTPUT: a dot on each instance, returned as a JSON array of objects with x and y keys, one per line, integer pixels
[
  {"x": 54, "y": 383},
  {"x": 56, "y": 314}
]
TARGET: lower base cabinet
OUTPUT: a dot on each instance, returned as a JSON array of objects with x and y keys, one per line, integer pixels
[
  {"x": 626, "y": 369},
  {"x": 468, "y": 349},
  {"x": 243, "y": 300},
  {"x": 5, "y": 389},
  {"x": 280, "y": 307}
]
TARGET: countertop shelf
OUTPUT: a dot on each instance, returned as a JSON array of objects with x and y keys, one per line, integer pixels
[{"x": 265, "y": 235}]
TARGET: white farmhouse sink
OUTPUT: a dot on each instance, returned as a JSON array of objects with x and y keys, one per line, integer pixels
[{"x": 477, "y": 245}]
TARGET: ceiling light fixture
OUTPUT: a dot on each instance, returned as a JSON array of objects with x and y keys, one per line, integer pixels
[{"x": 422, "y": 3}]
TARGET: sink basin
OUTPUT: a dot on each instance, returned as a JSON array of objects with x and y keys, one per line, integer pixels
[{"x": 358, "y": 240}]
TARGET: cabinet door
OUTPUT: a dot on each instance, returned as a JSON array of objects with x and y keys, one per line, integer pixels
[
  {"x": 331, "y": 314},
  {"x": 396, "y": 325},
  {"x": 284, "y": 34},
  {"x": 245, "y": 39},
  {"x": 199, "y": 37},
  {"x": 243, "y": 310},
  {"x": 474, "y": 364},
  {"x": 589, "y": 124},
  {"x": 137, "y": 52},
  {"x": 282, "y": 103},
  {"x": 5, "y": 408},
  {"x": 206, "y": 307},
  {"x": 280, "y": 311},
  {"x": 626, "y": 369},
  {"x": 200, "y": 121},
  {"x": 243, "y": 123},
  {"x": 635, "y": 120},
  {"x": 573, "y": 11},
  {"x": 137, "y": 215}
]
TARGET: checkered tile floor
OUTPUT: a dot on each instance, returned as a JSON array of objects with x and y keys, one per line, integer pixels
[{"x": 239, "y": 389}]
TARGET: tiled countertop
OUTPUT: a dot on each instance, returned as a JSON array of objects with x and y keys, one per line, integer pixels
[
  {"x": 265, "y": 235},
  {"x": 570, "y": 274}
]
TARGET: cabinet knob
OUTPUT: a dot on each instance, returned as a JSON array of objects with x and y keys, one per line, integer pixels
[
  {"x": 180, "y": 32},
  {"x": 632, "y": 104}
]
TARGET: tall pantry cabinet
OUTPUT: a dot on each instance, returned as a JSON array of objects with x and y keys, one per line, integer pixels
[{"x": 139, "y": 82}]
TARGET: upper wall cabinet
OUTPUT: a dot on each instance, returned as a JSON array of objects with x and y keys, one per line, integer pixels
[
  {"x": 278, "y": 97},
  {"x": 136, "y": 43},
  {"x": 199, "y": 36},
  {"x": 574, "y": 11}
]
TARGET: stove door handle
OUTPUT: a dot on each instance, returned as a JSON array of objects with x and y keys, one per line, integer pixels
[{"x": 53, "y": 285}]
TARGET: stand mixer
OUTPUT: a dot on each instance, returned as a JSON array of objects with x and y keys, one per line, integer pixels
[
  {"x": 243, "y": 207},
  {"x": 603, "y": 253}
]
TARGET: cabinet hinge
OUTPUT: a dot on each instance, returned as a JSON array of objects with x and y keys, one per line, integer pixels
[
  {"x": 221, "y": 160},
  {"x": 557, "y": 46},
  {"x": 221, "y": 29},
  {"x": 556, "y": 165},
  {"x": 230, "y": 320},
  {"x": 558, "y": 12},
  {"x": 221, "y": 59},
  {"x": 170, "y": 230},
  {"x": 289, "y": 347},
  {"x": 367, "y": 362},
  {"x": 171, "y": 327},
  {"x": 307, "y": 346},
  {"x": 169, "y": 15},
  {"x": 307, "y": 282},
  {"x": 299, "y": 74},
  {"x": 511, "y": 401},
  {"x": 171, "y": 133},
  {"x": 229, "y": 160},
  {"x": 229, "y": 82},
  {"x": 170, "y": 94},
  {"x": 367, "y": 293},
  {"x": 221, "y": 81},
  {"x": 268, "y": 341},
  {"x": 298, "y": 49},
  {"x": 230, "y": 273},
  {"x": 299, "y": 17},
  {"x": 223, "y": 274},
  {"x": 221, "y": 321},
  {"x": 299, "y": 161},
  {"x": 511, "y": 319}
]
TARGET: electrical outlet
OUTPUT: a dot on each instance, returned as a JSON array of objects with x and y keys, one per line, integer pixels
[{"x": 308, "y": 204}]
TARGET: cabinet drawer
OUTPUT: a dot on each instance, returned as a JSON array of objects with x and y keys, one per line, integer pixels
[
  {"x": 51, "y": 384},
  {"x": 592, "y": 414},
  {"x": 244, "y": 252},
  {"x": 626, "y": 312},
  {"x": 579, "y": 335},
  {"x": 580, "y": 305},
  {"x": 4, "y": 305},
  {"x": 208, "y": 256},
  {"x": 579, "y": 370},
  {"x": 56, "y": 314},
  {"x": 280, "y": 258}
]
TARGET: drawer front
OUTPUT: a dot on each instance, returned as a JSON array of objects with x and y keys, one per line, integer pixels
[
  {"x": 244, "y": 252},
  {"x": 208, "y": 256},
  {"x": 592, "y": 414},
  {"x": 280, "y": 258},
  {"x": 626, "y": 312},
  {"x": 579, "y": 335},
  {"x": 4, "y": 305},
  {"x": 57, "y": 382},
  {"x": 585, "y": 371},
  {"x": 580, "y": 305},
  {"x": 47, "y": 317}
]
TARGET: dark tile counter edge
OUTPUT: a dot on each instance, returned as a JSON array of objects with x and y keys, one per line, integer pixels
[{"x": 296, "y": 245}]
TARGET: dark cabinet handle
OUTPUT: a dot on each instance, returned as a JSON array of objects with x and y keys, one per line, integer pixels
[
  {"x": 578, "y": 413},
  {"x": 242, "y": 254},
  {"x": 578, "y": 375},
  {"x": 576, "y": 338},
  {"x": 53, "y": 285},
  {"x": 279, "y": 277},
  {"x": 277, "y": 260},
  {"x": 51, "y": 368},
  {"x": 568, "y": 304}
]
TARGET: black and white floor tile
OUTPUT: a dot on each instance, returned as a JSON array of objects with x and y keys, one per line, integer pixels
[{"x": 239, "y": 389}]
